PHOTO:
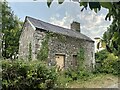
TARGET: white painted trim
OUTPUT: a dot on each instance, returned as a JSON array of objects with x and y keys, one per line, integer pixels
[{"x": 31, "y": 24}]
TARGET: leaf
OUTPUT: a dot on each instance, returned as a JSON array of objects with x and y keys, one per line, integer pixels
[
  {"x": 93, "y": 5},
  {"x": 103, "y": 44},
  {"x": 82, "y": 9},
  {"x": 60, "y": 1},
  {"x": 108, "y": 49},
  {"x": 83, "y": 4},
  {"x": 116, "y": 35},
  {"x": 49, "y": 2},
  {"x": 107, "y": 5},
  {"x": 118, "y": 41},
  {"x": 108, "y": 16},
  {"x": 115, "y": 45},
  {"x": 95, "y": 9}
]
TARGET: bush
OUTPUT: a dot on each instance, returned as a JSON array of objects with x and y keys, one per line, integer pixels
[
  {"x": 22, "y": 75},
  {"x": 101, "y": 55},
  {"x": 77, "y": 74},
  {"x": 108, "y": 63}
]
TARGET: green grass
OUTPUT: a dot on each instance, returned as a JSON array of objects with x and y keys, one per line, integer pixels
[
  {"x": 93, "y": 81},
  {"x": 97, "y": 81}
]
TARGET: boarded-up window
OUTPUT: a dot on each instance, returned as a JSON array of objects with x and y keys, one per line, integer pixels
[
  {"x": 74, "y": 61},
  {"x": 37, "y": 45},
  {"x": 60, "y": 61}
]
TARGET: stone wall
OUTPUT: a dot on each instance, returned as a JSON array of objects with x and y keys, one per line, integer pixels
[
  {"x": 60, "y": 44},
  {"x": 69, "y": 47},
  {"x": 0, "y": 44},
  {"x": 25, "y": 39},
  {"x": 39, "y": 37}
]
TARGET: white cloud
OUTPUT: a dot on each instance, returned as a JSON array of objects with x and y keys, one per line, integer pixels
[
  {"x": 92, "y": 24},
  {"x": 64, "y": 22}
]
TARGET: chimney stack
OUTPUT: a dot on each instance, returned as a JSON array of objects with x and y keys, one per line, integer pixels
[{"x": 75, "y": 26}]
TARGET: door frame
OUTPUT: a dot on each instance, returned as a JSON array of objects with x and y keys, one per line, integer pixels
[{"x": 61, "y": 54}]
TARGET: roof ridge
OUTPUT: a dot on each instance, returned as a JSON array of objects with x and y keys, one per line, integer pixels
[
  {"x": 48, "y": 23},
  {"x": 57, "y": 29}
]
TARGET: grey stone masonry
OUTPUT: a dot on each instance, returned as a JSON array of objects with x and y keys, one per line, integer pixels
[
  {"x": 68, "y": 44},
  {"x": 0, "y": 44},
  {"x": 69, "y": 47}
]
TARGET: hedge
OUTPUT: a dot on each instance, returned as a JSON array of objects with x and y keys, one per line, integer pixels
[{"x": 22, "y": 75}]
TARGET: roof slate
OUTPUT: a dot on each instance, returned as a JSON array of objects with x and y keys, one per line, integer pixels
[{"x": 57, "y": 29}]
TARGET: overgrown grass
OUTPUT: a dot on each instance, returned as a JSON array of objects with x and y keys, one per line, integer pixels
[
  {"x": 36, "y": 74},
  {"x": 96, "y": 81}
]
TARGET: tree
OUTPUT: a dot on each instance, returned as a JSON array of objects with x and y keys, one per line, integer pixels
[
  {"x": 112, "y": 36},
  {"x": 11, "y": 29}
]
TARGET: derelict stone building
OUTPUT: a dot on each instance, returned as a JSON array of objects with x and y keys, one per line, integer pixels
[{"x": 63, "y": 44}]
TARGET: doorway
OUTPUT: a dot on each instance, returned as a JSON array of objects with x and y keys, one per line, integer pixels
[{"x": 60, "y": 61}]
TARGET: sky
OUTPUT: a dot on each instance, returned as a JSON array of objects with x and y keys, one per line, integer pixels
[{"x": 92, "y": 24}]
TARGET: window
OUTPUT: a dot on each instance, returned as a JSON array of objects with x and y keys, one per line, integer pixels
[{"x": 74, "y": 61}]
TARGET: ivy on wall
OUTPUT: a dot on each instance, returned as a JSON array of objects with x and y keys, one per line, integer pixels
[
  {"x": 30, "y": 52},
  {"x": 43, "y": 53},
  {"x": 59, "y": 37},
  {"x": 81, "y": 58}
]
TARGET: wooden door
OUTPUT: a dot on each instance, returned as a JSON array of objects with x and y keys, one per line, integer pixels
[{"x": 60, "y": 59}]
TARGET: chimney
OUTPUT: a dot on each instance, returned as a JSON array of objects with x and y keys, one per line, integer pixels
[{"x": 75, "y": 26}]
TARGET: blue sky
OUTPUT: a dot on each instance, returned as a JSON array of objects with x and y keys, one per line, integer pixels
[{"x": 92, "y": 24}]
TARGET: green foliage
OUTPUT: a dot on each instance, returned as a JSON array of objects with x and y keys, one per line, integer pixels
[
  {"x": 11, "y": 29},
  {"x": 60, "y": 1},
  {"x": 80, "y": 58},
  {"x": 73, "y": 74},
  {"x": 62, "y": 80},
  {"x": 101, "y": 55},
  {"x": 116, "y": 67},
  {"x": 30, "y": 52},
  {"x": 59, "y": 37},
  {"x": 107, "y": 62},
  {"x": 94, "y": 5},
  {"x": 107, "y": 65},
  {"x": 112, "y": 39},
  {"x": 43, "y": 53},
  {"x": 80, "y": 72},
  {"x": 49, "y": 2},
  {"x": 22, "y": 75}
]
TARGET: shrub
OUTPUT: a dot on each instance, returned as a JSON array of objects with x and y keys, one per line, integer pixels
[
  {"x": 22, "y": 75},
  {"x": 116, "y": 67},
  {"x": 101, "y": 55},
  {"x": 108, "y": 63},
  {"x": 77, "y": 74}
]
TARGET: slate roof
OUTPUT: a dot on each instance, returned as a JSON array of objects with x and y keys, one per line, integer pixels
[{"x": 57, "y": 29}]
